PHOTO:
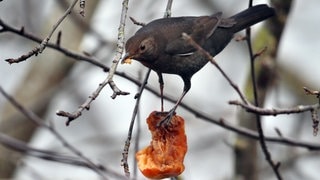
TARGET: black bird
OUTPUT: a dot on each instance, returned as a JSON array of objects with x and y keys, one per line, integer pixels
[{"x": 159, "y": 45}]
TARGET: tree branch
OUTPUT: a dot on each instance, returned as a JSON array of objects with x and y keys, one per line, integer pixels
[
  {"x": 112, "y": 72},
  {"x": 39, "y": 122},
  {"x": 45, "y": 41},
  {"x": 56, "y": 46},
  {"x": 274, "y": 111}
]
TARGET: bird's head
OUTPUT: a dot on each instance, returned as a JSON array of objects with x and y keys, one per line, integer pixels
[{"x": 140, "y": 48}]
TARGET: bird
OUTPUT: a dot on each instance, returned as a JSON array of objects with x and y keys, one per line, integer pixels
[{"x": 160, "y": 44}]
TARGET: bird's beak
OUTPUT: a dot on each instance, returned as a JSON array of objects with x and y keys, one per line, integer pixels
[{"x": 126, "y": 59}]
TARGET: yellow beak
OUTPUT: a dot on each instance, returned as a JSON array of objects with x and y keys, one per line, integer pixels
[{"x": 126, "y": 59}]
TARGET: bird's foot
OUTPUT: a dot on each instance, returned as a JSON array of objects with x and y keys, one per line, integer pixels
[{"x": 167, "y": 117}]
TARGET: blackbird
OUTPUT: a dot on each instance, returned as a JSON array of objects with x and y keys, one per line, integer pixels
[{"x": 159, "y": 45}]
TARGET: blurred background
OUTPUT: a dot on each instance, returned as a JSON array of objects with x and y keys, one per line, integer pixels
[{"x": 52, "y": 81}]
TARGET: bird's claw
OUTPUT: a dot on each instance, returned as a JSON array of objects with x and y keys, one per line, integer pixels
[{"x": 167, "y": 119}]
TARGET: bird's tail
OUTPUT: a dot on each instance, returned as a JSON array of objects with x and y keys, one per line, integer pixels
[{"x": 251, "y": 16}]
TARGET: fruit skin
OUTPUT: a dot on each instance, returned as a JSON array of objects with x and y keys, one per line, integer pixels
[{"x": 164, "y": 156}]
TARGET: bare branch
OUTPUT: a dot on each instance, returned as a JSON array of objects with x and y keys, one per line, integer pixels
[
  {"x": 124, "y": 161},
  {"x": 22, "y": 147},
  {"x": 250, "y": 133},
  {"x": 21, "y": 32},
  {"x": 167, "y": 13},
  {"x": 312, "y": 92},
  {"x": 315, "y": 121},
  {"x": 136, "y": 22},
  {"x": 45, "y": 41},
  {"x": 274, "y": 111},
  {"x": 210, "y": 58},
  {"x": 112, "y": 72},
  {"x": 38, "y": 121},
  {"x": 119, "y": 52},
  {"x": 263, "y": 145},
  {"x": 86, "y": 104},
  {"x": 82, "y": 5}
]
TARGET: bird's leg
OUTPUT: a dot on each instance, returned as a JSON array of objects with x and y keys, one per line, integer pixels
[
  {"x": 161, "y": 83},
  {"x": 166, "y": 120}
]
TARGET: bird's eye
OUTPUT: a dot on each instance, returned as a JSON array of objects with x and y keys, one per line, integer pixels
[{"x": 142, "y": 47}]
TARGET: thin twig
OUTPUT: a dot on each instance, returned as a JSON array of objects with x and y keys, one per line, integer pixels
[
  {"x": 45, "y": 41},
  {"x": 21, "y": 32},
  {"x": 315, "y": 121},
  {"x": 274, "y": 111},
  {"x": 82, "y": 5},
  {"x": 248, "y": 132},
  {"x": 167, "y": 13},
  {"x": 109, "y": 79},
  {"x": 119, "y": 51},
  {"x": 55, "y": 26},
  {"x": 83, "y": 25},
  {"x": 274, "y": 166},
  {"x": 138, "y": 126},
  {"x": 136, "y": 22},
  {"x": 87, "y": 103},
  {"x": 124, "y": 161},
  {"x": 210, "y": 58}
]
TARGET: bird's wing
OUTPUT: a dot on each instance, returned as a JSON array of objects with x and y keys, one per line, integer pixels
[
  {"x": 179, "y": 47},
  {"x": 202, "y": 28},
  {"x": 205, "y": 26}
]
